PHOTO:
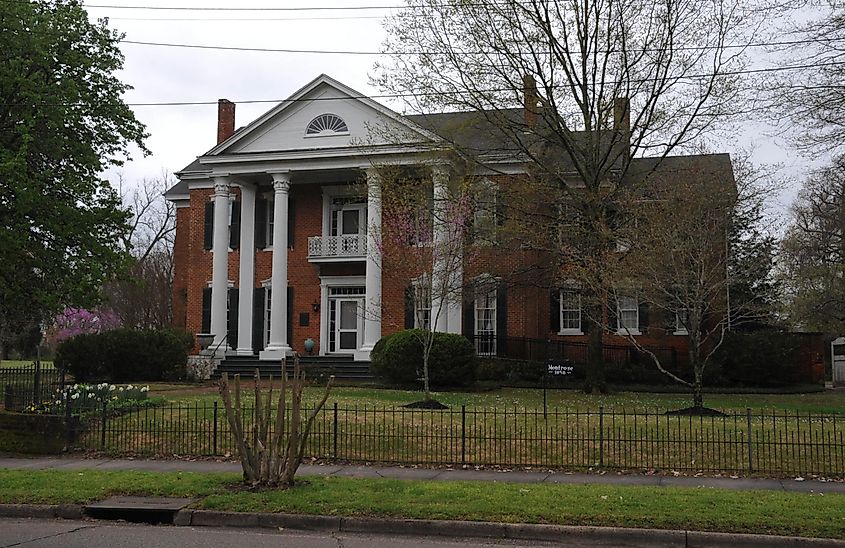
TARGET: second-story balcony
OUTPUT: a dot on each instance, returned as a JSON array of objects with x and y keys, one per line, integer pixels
[{"x": 348, "y": 247}]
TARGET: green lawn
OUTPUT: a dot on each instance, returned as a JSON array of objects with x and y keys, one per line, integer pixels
[
  {"x": 827, "y": 401},
  {"x": 508, "y": 428},
  {"x": 8, "y": 364},
  {"x": 600, "y": 505}
]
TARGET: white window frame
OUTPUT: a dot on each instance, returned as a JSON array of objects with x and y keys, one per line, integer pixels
[
  {"x": 680, "y": 328},
  {"x": 422, "y": 314},
  {"x": 268, "y": 288},
  {"x": 570, "y": 330},
  {"x": 622, "y": 330},
  {"x": 325, "y": 132},
  {"x": 270, "y": 215},
  {"x": 485, "y": 347},
  {"x": 486, "y": 216}
]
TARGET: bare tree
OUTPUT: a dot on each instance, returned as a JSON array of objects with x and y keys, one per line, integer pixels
[
  {"x": 600, "y": 83},
  {"x": 813, "y": 252},
  {"x": 142, "y": 297},
  {"x": 809, "y": 98},
  {"x": 695, "y": 243}
]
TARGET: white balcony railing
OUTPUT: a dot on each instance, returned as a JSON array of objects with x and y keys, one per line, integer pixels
[{"x": 329, "y": 247}]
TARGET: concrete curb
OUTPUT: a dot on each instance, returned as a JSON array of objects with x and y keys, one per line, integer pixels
[
  {"x": 48, "y": 511},
  {"x": 447, "y": 528},
  {"x": 480, "y": 529}
]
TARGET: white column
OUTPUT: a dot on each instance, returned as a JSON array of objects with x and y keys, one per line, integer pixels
[
  {"x": 246, "y": 271},
  {"x": 372, "y": 282},
  {"x": 220, "y": 260},
  {"x": 278, "y": 345},
  {"x": 447, "y": 259}
]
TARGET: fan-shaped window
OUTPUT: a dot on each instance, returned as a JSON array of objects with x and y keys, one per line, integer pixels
[{"x": 326, "y": 124}]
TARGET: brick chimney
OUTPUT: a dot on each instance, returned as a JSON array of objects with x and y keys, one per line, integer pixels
[
  {"x": 530, "y": 99},
  {"x": 622, "y": 114},
  {"x": 225, "y": 119}
]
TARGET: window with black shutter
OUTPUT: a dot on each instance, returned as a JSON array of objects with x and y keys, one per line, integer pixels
[
  {"x": 260, "y": 223},
  {"x": 235, "y": 225},
  {"x": 258, "y": 319},
  {"x": 208, "y": 226},
  {"x": 232, "y": 317},
  {"x": 206, "y": 310},
  {"x": 502, "y": 320},
  {"x": 291, "y": 221}
]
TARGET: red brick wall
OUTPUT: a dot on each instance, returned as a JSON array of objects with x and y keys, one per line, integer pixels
[
  {"x": 528, "y": 303},
  {"x": 181, "y": 249}
]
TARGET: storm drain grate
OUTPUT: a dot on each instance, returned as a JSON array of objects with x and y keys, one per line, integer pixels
[{"x": 152, "y": 510}]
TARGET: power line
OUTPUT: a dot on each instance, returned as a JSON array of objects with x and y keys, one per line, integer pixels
[
  {"x": 230, "y": 9},
  {"x": 240, "y": 19},
  {"x": 359, "y": 52},
  {"x": 460, "y": 92}
]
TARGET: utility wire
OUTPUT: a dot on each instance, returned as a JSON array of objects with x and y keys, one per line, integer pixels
[
  {"x": 396, "y": 53},
  {"x": 458, "y": 92}
]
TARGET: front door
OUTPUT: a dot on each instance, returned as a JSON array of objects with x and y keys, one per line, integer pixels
[{"x": 347, "y": 325}]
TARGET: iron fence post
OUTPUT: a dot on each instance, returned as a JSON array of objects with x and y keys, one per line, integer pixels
[
  {"x": 601, "y": 435},
  {"x": 463, "y": 434},
  {"x": 68, "y": 426},
  {"x": 750, "y": 444},
  {"x": 214, "y": 431},
  {"x": 36, "y": 382},
  {"x": 103, "y": 430},
  {"x": 334, "y": 431}
]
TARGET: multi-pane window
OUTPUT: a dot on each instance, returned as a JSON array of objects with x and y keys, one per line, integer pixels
[
  {"x": 681, "y": 319},
  {"x": 422, "y": 305},
  {"x": 570, "y": 311},
  {"x": 628, "y": 314},
  {"x": 485, "y": 322},
  {"x": 267, "y": 300},
  {"x": 484, "y": 216},
  {"x": 268, "y": 235},
  {"x": 326, "y": 124}
]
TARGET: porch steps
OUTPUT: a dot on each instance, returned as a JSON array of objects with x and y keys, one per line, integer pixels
[{"x": 344, "y": 368}]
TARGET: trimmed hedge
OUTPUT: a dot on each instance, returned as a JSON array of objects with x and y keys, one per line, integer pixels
[
  {"x": 398, "y": 358},
  {"x": 759, "y": 358},
  {"x": 124, "y": 355}
]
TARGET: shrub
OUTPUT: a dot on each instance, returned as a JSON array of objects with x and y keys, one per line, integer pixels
[
  {"x": 125, "y": 355},
  {"x": 398, "y": 358},
  {"x": 759, "y": 358}
]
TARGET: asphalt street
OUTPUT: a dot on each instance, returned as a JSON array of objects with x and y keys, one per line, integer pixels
[{"x": 87, "y": 534}]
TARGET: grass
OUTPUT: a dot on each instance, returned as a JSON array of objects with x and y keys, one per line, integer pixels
[
  {"x": 372, "y": 426},
  {"x": 8, "y": 364},
  {"x": 770, "y": 512},
  {"x": 565, "y": 400}
]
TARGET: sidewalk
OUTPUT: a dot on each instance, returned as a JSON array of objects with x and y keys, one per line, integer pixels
[{"x": 432, "y": 474}]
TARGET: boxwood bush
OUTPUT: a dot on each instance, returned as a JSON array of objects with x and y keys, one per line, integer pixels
[
  {"x": 398, "y": 358},
  {"x": 123, "y": 355}
]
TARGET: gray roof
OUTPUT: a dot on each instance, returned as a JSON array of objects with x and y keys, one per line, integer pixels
[{"x": 488, "y": 132}]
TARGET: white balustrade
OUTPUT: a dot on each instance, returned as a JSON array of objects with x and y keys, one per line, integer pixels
[{"x": 347, "y": 245}]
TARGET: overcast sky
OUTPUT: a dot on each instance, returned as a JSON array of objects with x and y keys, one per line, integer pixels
[{"x": 168, "y": 74}]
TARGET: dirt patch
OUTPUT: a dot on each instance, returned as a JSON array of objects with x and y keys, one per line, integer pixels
[
  {"x": 697, "y": 412},
  {"x": 426, "y": 404}
]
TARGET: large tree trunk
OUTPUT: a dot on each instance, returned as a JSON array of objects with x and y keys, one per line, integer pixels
[{"x": 596, "y": 382}]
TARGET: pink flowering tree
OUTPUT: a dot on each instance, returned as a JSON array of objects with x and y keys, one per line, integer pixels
[
  {"x": 79, "y": 321},
  {"x": 422, "y": 240}
]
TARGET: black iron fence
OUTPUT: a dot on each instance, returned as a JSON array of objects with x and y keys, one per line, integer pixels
[
  {"x": 575, "y": 352},
  {"x": 28, "y": 385},
  {"x": 769, "y": 442}
]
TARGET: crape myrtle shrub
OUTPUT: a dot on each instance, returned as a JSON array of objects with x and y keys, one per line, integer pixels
[
  {"x": 123, "y": 355},
  {"x": 398, "y": 359}
]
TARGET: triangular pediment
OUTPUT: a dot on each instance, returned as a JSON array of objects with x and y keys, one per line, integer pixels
[{"x": 365, "y": 123}]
